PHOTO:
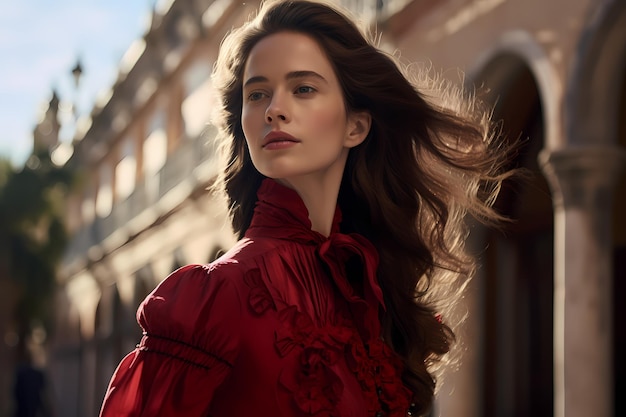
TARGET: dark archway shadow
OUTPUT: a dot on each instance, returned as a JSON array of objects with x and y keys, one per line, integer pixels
[{"x": 518, "y": 264}]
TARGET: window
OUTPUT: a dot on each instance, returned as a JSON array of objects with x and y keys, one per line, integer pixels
[
  {"x": 104, "y": 198},
  {"x": 154, "y": 153},
  {"x": 125, "y": 171},
  {"x": 198, "y": 103}
]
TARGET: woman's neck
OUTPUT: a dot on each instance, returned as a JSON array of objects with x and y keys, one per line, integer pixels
[
  {"x": 321, "y": 206},
  {"x": 319, "y": 195}
]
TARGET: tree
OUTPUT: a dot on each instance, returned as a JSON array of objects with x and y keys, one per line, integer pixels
[{"x": 32, "y": 238}]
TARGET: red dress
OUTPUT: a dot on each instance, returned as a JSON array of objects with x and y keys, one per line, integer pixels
[{"x": 273, "y": 328}]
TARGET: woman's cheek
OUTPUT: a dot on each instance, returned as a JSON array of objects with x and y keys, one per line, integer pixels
[{"x": 327, "y": 117}]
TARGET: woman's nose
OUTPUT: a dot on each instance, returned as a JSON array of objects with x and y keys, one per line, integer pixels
[
  {"x": 270, "y": 118},
  {"x": 275, "y": 111}
]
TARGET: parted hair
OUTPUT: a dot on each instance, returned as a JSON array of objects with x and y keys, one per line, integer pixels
[{"x": 429, "y": 160}]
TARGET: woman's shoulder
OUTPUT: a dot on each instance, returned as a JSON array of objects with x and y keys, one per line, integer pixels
[
  {"x": 192, "y": 300},
  {"x": 250, "y": 249},
  {"x": 196, "y": 281}
]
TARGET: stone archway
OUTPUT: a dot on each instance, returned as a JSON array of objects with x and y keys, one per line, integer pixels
[
  {"x": 592, "y": 106},
  {"x": 107, "y": 341}
]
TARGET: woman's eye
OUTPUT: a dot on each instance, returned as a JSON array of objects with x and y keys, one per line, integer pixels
[
  {"x": 304, "y": 89},
  {"x": 254, "y": 96}
]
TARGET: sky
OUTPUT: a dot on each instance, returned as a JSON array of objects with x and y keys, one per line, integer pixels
[{"x": 40, "y": 43}]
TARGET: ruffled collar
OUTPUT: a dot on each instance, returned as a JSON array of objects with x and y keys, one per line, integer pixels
[{"x": 281, "y": 213}]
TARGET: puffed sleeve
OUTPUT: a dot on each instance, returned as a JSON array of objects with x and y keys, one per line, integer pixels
[{"x": 190, "y": 342}]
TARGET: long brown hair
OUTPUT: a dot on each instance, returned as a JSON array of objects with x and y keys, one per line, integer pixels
[{"x": 407, "y": 187}]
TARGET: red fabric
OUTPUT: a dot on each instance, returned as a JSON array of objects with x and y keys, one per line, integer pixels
[{"x": 272, "y": 328}]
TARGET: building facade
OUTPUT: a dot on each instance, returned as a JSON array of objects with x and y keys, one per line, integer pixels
[{"x": 543, "y": 334}]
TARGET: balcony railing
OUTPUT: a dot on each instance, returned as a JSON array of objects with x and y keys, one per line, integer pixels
[
  {"x": 370, "y": 10},
  {"x": 189, "y": 166}
]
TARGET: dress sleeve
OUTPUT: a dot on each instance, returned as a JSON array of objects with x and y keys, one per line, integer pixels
[{"x": 190, "y": 342}]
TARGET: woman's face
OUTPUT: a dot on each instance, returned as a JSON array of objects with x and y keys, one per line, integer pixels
[{"x": 293, "y": 116}]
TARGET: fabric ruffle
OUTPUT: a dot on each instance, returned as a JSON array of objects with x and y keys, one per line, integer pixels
[
  {"x": 259, "y": 299},
  {"x": 315, "y": 387},
  {"x": 379, "y": 370}
]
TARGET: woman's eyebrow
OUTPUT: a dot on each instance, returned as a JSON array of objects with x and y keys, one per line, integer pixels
[
  {"x": 289, "y": 76},
  {"x": 304, "y": 74},
  {"x": 256, "y": 79}
]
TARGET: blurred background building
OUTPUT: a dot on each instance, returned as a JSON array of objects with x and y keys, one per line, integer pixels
[{"x": 544, "y": 334}]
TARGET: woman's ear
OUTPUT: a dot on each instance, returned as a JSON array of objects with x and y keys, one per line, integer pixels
[{"x": 359, "y": 124}]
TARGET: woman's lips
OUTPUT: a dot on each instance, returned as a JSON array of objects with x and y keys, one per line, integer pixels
[{"x": 277, "y": 139}]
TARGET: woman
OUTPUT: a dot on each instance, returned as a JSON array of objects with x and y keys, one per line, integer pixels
[{"x": 348, "y": 191}]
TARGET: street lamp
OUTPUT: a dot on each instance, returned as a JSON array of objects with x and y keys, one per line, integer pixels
[{"x": 77, "y": 72}]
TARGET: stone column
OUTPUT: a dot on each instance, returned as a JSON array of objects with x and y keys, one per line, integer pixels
[
  {"x": 460, "y": 391},
  {"x": 582, "y": 181}
]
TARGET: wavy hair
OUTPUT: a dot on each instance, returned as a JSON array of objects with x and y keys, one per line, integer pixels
[{"x": 426, "y": 163}]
